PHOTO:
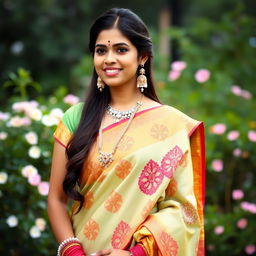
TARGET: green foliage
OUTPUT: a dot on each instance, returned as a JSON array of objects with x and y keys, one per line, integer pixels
[{"x": 226, "y": 99}]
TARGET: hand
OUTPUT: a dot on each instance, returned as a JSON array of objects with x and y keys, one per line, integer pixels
[{"x": 111, "y": 252}]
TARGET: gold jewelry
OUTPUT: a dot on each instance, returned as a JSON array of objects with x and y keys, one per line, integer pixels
[
  {"x": 106, "y": 158},
  {"x": 100, "y": 84},
  {"x": 142, "y": 79}
]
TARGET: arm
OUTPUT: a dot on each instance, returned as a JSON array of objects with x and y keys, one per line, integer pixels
[{"x": 57, "y": 200}]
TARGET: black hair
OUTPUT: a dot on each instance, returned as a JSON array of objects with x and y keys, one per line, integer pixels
[{"x": 132, "y": 27}]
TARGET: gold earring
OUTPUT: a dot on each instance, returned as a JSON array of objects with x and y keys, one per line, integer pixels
[
  {"x": 100, "y": 84},
  {"x": 142, "y": 79}
]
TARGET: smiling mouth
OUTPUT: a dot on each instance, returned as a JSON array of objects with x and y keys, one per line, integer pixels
[{"x": 112, "y": 72}]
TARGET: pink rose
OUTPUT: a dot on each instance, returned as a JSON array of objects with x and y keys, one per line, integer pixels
[
  {"x": 179, "y": 65},
  {"x": 250, "y": 249},
  {"x": 233, "y": 135},
  {"x": 252, "y": 136},
  {"x": 217, "y": 165},
  {"x": 71, "y": 99},
  {"x": 174, "y": 75},
  {"x": 219, "y": 230},
  {"x": 237, "y": 152},
  {"x": 202, "y": 75},
  {"x": 246, "y": 94},
  {"x": 249, "y": 207},
  {"x": 242, "y": 223},
  {"x": 34, "y": 179},
  {"x": 235, "y": 89},
  {"x": 237, "y": 194},
  {"x": 43, "y": 188},
  {"x": 218, "y": 129}
]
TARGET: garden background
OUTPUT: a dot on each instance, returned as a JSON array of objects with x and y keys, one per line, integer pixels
[{"x": 204, "y": 64}]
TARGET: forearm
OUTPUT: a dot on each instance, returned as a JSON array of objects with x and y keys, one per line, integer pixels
[{"x": 60, "y": 220}]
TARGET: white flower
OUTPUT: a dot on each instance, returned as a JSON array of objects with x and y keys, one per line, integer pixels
[
  {"x": 35, "y": 232},
  {"x": 3, "y": 135},
  {"x": 31, "y": 138},
  {"x": 49, "y": 120},
  {"x": 4, "y": 116},
  {"x": 28, "y": 170},
  {"x": 34, "y": 152},
  {"x": 57, "y": 113},
  {"x": 3, "y": 177},
  {"x": 17, "y": 121},
  {"x": 40, "y": 223},
  {"x": 12, "y": 221},
  {"x": 35, "y": 114}
]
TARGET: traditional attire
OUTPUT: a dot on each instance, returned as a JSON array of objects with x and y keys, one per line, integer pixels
[{"x": 152, "y": 193}]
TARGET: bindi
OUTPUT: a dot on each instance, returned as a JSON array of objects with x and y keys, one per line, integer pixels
[{"x": 108, "y": 42}]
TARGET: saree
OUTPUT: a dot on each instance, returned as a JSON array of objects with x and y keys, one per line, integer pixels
[{"x": 153, "y": 191}]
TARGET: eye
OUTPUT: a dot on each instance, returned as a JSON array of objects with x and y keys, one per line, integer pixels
[
  {"x": 100, "y": 51},
  {"x": 122, "y": 50}
]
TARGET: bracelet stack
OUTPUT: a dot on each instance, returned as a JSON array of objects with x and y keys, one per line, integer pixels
[{"x": 70, "y": 247}]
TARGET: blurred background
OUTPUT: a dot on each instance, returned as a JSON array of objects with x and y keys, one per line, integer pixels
[{"x": 204, "y": 65}]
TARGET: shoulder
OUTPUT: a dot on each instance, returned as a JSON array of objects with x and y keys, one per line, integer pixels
[
  {"x": 179, "y": 118},
  {"x": 72, "y": 116}
]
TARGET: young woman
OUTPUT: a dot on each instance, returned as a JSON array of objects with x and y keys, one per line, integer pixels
[{"x": 133, "y": 167}]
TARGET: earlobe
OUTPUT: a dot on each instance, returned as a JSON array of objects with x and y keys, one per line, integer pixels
[{"x": 143, "y": 60}]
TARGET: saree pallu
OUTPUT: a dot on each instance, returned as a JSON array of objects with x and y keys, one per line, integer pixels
[{"x": 152, "y": 193}]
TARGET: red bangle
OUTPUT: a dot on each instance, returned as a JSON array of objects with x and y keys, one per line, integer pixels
[
  {"x": 73, "y": 250},
  {"x": 137, "y": 250}
]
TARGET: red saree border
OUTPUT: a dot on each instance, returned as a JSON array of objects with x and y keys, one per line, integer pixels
[
  {"x": 200, "y": 128},
  {"x": 57, "y": 140}
]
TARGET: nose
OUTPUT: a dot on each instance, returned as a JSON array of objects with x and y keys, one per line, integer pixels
[{"x": 110, "y": 58}]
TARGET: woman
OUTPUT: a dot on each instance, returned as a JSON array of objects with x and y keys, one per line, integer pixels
[{"x": 134, "y": 167}]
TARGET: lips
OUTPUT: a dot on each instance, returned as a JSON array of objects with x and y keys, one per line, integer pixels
[{"x": 112, "y": 71}]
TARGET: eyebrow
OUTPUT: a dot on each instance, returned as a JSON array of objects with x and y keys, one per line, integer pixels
[{"x": 117, "y": 44}]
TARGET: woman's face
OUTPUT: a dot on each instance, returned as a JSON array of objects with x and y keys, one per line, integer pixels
[{"x": 116, "y": 58}]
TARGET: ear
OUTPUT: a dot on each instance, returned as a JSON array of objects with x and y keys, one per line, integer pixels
[{"x": 143, "y": 59}]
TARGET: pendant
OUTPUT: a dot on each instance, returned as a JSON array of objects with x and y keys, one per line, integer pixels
[{"x": 105, "y": 159}]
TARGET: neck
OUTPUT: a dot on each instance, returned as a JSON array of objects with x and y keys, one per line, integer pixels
[{"x": 124, "y": 98}]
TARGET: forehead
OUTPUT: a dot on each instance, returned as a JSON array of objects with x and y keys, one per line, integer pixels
[{"x": 113, "y": 35}]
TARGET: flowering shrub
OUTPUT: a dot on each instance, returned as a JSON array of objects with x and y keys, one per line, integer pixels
[
  {"x": 205, "y": 85},
  {"x": 26, "y": 129}
]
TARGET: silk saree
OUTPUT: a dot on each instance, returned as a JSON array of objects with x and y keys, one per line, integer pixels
[{"x": 152, "y": 193}]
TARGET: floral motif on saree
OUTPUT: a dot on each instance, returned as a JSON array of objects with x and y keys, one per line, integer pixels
[{"x": 153, "y": 192}]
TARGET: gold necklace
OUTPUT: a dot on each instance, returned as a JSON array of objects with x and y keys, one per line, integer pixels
[{"x": 106, "y": 158}]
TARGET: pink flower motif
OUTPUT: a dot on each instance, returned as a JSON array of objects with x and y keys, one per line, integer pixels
[
  {"x": 71, "y": 99},
  {"x": 219, "y": 230},
  {"x": 170, "y": 161},
  {"x": 237, "y": 152},
  {"x": 252, "y": 136},
  {"x": 218, "y": 129},
  {"x": 120, "y": 234},
  {"x": 174, "y": 75},
  {"x": 202, "y": 75},
  {"x": 43, "y": 188},
  {"x": 150, "y": 178},
  {"x": 236, "y": 90},
  {"x": 169, "y": 245},
  {"x": 34, "y": 179},
  {"x": 237, "y": 194},
  {"x": 217, "y": 165},
  {"x": 246, "y": 94},
  {"x": 242, "y": 223},
  {"x": 179, "y": 65},
  {"x": 250, "y": 249},
  {"x": 233, "y": 135}
]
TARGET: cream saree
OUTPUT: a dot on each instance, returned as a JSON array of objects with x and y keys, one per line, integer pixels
[{"x": 153, "y": 192}]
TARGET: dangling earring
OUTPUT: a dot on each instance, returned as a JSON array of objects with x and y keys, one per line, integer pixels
[
  {"x": 100, "y": 84},
  {"x": 142, "y": 79}
]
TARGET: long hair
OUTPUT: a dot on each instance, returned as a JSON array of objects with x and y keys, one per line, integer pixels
[{"x": 96, "y": 102}]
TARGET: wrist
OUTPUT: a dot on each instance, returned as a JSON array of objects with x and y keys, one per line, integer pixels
[{"x": 71, "y": 247}]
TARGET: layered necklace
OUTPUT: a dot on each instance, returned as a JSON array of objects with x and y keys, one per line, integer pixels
[
  {"x": 106, "y": 158},
  {"x": 119, "y": 115}
]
